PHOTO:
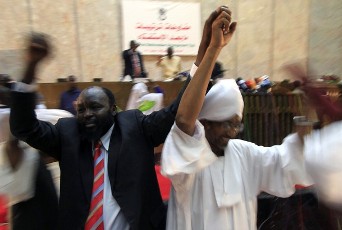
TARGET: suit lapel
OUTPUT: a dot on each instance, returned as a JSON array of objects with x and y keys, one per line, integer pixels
[{"x": 86, "y": 168}]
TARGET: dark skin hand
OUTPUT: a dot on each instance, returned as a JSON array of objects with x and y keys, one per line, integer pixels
[
  {"x": 206, "y": 35},
  {"x": 221, "y": 32},
  {"x": 38, "y": 48}
]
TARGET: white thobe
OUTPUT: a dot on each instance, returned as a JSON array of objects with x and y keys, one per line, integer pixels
[
  {"x": 210, "y": 192},
  {"x": 19, "y": 184},
  {"x": 323, "y": 156}
]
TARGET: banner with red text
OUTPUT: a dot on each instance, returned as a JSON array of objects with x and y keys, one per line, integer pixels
[{"x": 158, "y": 25}]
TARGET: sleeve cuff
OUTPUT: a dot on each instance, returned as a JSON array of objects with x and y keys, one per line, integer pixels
[
  {"x": 193, "y": 70},
  {"x": 24, "y": 88}
]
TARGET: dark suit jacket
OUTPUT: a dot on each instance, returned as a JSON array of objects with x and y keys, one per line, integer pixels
[
  {"x": 130, "y": 161},
  {"x": 128, "y": 69}
]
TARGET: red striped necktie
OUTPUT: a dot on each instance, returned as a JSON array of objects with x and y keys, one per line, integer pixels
[{"x": 95, "y": 218}]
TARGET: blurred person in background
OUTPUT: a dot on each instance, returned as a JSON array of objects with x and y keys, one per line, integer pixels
[
  {"x": 322, "y": 148},
  {"x": 25, "y": 177},
  {"x": 68, "y": 98},
  {"x": 170, "y": 64},
  {"x": 133, "y": 62}
]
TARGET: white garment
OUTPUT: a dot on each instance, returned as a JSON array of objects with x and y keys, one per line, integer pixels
[
  {"x": 323, "y": 157},
  {"x": 221, "y": 193},
  {"x": 4, "y": 124},
  {"x": 55, "y": 171},
  {"x": 141, "y": 99},
  {"x": 113, "y": 217},
  {"x": 150, "y": 102},
  {"x": 138, "y": 90},
  {"x": 52, "y": 115},
  {"x": 18, "y": 184}
]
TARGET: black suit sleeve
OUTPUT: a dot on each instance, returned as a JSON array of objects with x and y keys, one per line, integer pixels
[
  {"x": 25, "y": 125},
  {"x": 158, "y": 124}
]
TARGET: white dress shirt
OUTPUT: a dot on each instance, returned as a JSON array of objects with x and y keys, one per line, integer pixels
[{"x": 113, "y": 217}]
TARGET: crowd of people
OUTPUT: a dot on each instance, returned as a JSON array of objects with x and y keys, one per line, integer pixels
[{"x": 106, "y": 157}]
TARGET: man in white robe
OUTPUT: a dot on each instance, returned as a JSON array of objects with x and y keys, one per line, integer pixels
[{"x": 215, "y": 178}]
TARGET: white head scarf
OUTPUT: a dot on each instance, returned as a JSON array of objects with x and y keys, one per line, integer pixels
[{"x": 223, "y": 101}]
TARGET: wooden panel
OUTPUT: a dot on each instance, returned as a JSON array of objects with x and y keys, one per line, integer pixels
[
  {"x": 121, "y": 90},
  {"x": 267, "y": 117}
]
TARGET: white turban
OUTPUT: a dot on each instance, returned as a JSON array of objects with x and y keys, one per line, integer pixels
[{"x": 223, "y": 101}]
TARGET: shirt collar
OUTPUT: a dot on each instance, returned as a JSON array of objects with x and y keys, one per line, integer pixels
[{"x": 105, "y": 139}]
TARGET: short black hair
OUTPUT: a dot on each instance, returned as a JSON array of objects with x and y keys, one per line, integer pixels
[{"x": 110, "y": 96}]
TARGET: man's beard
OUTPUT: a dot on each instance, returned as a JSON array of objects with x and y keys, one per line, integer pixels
[
  {"x": 96, "y": 133},
  {"x": 90, "y": 135}
]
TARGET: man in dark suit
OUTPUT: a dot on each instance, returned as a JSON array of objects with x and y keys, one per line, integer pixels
[
  {"x": 133, "y": 61},
  {"x": 129, "y": 193}
]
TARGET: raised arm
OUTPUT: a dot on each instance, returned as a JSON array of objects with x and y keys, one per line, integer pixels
[
  {"x": 217, "y": 32},
  {"x": 23, "y": 120}
]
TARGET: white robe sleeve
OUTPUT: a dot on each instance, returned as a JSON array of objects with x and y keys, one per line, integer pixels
[
  {"x": 184, "y": 154},
  {"x": 277, "y": 169},
  {"x": 323, "y": 157},
  {"x": 18, "y": 184}
]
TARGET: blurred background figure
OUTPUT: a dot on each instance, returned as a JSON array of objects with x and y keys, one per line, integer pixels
[
  {"x": 133, "y": 62},
  {"x": 323, "y": 154},
  {"x": 140, "y": 98},
  {"x": 25, "y": 176},
  {"x": 170, "y": 64},
  {"x": 70, "y": 95}
]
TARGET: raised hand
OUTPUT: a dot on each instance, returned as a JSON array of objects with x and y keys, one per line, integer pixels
[
  {"x": 207, "y": 29},
  {"x": 38, "y": 48},
  {"x": 222, "y": 29},
  {"x": 217, "y": 32}
]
